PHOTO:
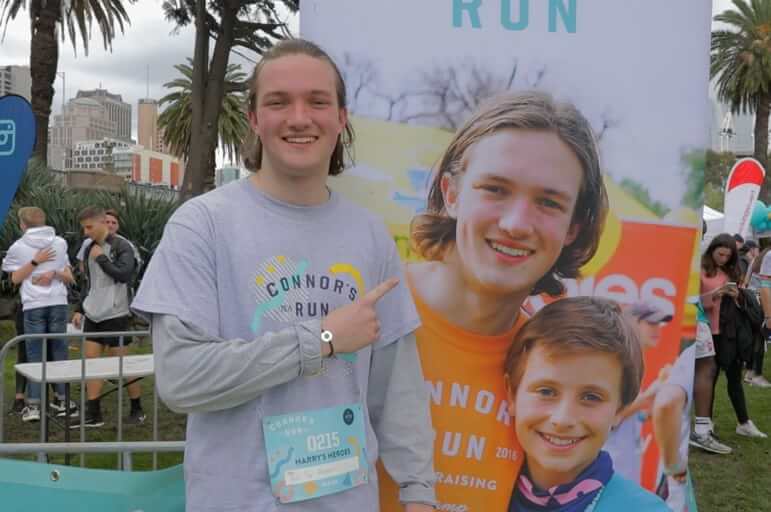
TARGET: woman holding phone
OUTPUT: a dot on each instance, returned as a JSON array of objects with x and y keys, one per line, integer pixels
[{"x": 719, "y": 276}]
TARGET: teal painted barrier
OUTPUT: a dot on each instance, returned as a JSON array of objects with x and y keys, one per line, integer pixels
[{"x": 31, "y": 486}]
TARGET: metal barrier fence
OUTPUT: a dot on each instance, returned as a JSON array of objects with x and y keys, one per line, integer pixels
[{"x": 122, "y": 448}]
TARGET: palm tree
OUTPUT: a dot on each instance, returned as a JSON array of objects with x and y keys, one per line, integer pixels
[
  {"x": 741, "y": 65},
  {"x": 71, "y": 18},
  {"x": 176, "y": 120}
]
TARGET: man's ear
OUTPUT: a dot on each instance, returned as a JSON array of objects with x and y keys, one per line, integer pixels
[{"x": 448, "y": 184}]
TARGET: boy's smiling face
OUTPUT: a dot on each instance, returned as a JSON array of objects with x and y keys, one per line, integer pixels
[{"x": 564, "y": 408}]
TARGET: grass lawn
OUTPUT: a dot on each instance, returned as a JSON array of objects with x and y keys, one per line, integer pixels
[
  {"x": 741, "y": 481},
  {"x": 171, "y": 426}
]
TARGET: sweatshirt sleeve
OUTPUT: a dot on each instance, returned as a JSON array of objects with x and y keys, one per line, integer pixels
[
  {"x": 397, "y": 399},
  {"x": 121, "y": 267},
  {"x": 196, "y": 372}
]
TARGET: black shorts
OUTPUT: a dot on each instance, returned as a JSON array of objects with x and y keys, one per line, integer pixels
[{"x": 111, "y": 325}]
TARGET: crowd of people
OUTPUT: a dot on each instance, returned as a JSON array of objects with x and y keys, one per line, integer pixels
[
  {"x": 39, "y": 264},
  {"x": 735, "y": 305}
]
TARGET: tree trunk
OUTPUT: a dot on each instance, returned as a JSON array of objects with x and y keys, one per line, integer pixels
[
  {"x": 761, "y": 141},
  {"x": 215, "y": 90},
  {"x": 206, "y": 97},
  {"x": 44, "y": 59},
  {"x": 192, "y": 185}
]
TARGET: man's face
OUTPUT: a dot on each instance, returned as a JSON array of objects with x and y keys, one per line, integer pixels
[
  {"x": 513, "y": 205},
  {"x": 650, "y": 333},
  {"x": 112, "y": 224},
  {"x": 297, "y": 118},
  {"x": 564, "y": 408},
  {"x": 95, "y": 229}
]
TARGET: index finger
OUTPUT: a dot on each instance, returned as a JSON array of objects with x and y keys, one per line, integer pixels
[{"x": 380, "y": 290}]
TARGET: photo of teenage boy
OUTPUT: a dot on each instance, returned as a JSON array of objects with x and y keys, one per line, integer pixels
[
  {"x": 570, "y": 372},
  {"x": 666, "y": 403},
  {"x": 516, "y": 202}
]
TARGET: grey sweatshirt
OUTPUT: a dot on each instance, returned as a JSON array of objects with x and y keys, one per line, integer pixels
[
  {"x": 236, "y": 308},
  {"x": 107, "y": 293},
  {"x": 233, "y": 372}
]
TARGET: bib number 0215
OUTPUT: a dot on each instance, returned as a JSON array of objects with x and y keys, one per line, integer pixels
[{"x": 318, "y": 442}]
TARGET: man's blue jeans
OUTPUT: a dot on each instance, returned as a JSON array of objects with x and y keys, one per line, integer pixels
[{"x": 48, "y": 319}]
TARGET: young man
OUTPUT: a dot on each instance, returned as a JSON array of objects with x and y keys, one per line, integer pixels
[
  {"x": 280, "y": 324},
  {"x": 108, "y": 268},
  {"x": 113, "y": 225},
  {"x": 38, "y": 261}
]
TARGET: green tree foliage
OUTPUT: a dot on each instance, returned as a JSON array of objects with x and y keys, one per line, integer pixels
[
  {"x": 142, "y": 217},
  {"x": 177, "y": 118},
  {"x": 741, "y": 66}
]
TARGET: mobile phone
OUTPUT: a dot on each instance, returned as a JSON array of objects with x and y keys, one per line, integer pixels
[{"x": 731, "y": 284}]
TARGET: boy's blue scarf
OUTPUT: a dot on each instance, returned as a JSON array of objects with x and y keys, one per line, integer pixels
[{"x": 571, "y": 497}]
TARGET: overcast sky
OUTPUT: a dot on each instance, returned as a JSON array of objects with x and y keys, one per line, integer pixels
[{"x": 148, "y": 41}]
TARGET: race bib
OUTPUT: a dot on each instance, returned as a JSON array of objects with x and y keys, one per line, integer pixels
[{"x": 316, "y": 453}]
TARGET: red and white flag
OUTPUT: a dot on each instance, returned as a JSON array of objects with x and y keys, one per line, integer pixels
[{"x": 741, "y": 192}]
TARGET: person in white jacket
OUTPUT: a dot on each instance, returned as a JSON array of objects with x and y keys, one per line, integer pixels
[{"x": 38, "y": 261}]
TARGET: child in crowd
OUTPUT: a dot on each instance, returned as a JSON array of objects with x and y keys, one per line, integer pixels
[{"x": 571, "y": 370}]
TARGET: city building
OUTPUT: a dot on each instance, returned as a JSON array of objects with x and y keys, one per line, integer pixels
[
  {"x": 148, "y": 133},
  {"x": 152, "y": 167},
  {"x": 96, "y": 154},
  {"x": 16, "y": 80},
  {"x": 116, "y": 109},
  {"x": 83, "y": 119}
]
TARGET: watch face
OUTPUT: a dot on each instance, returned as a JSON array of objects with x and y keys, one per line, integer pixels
[{"x": 326, "y": 336}]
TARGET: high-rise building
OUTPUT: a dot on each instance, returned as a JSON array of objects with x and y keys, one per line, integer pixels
[
  {"x": 82, "y": 119},
  {"x": 97, "y": 154},
  {"x": 117, "y": 110},
  {"x": 16, "y": 80},
  {"x": 148, "y": 134}
]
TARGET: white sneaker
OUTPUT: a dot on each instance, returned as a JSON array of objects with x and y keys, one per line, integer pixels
[
  {"x": 30, "y": 413},
  {"x": 677, "y": 501},
  {"x": 760, "y": 381},
  {"x": 59, "y": 407},
  {"x": 748, "y": 376},
  {"x": 749, "y": 430}
]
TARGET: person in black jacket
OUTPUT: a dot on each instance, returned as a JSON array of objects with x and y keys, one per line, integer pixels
[
  {"x": 109, "y": 266},
  {"x": 740, "y": 321}
]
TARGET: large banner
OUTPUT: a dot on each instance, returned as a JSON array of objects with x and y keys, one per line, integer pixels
[{"x": 488, "y": 135}]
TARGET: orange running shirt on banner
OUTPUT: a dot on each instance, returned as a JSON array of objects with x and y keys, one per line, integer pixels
[{"x": 476, "y": 455}]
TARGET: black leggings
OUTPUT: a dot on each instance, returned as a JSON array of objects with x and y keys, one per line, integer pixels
[{"x": 733, "y": 373}]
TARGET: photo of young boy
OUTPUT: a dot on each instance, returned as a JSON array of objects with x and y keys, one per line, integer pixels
[{"x": 570, "y": 372}]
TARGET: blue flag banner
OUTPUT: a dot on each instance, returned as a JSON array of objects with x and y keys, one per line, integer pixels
[{"x": 17, "y": 138}]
